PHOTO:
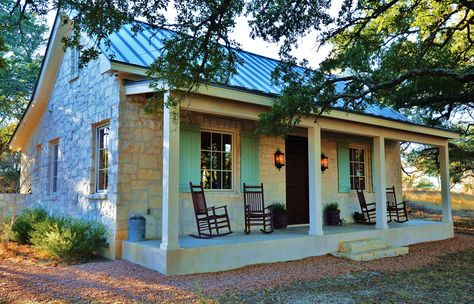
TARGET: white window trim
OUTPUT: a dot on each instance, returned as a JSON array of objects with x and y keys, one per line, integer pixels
[
  {"x": 96, "y": 160},
  {"x": 51, "y": 166},
  {"x": 233, "y": 173},
  {"x": 366, "y": 164}
]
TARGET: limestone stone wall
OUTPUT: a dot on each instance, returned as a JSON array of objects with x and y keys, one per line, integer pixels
[
  {"x": 140, "y": 163},
  {"x": 76, "y": 106},
  {"x": 10, "y": 203}
]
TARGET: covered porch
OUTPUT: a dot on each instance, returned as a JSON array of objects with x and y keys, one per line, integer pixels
[
  {"x": 238, "y": 249},
  {"x": 176, "y": 253}
]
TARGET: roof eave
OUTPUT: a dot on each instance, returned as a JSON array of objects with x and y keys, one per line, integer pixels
[{"x": 43, "y": 86}]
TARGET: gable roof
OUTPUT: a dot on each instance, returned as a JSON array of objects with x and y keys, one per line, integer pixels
[{"x": 254, "y": 74}]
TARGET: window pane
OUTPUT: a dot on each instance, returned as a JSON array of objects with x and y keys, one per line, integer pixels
[
  {"x": 227, "y": 180},
  {"x": 205, "y": 160},
  {"x": 359, "y": 169},
  {"x": 359, "y": 155},
  {"x": 216, "y": 161},
  {"x": 216, "y": 141},
  {"x": 101, "y": 138},
  {"x": 228, "y": 161},
  {"x": 103, "y": 159},
  {"x": 205, "y": 141},
  {"x": 227, "y": 143},
  {"x": 361, "y": 182},
  {"x": 216, "y": 180},
  {"x": 206, "y": 179},
  {"x": 102, "y": 180}
]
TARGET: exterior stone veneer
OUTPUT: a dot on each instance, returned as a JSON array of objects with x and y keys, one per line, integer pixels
[{"x": 78, "y": 104}]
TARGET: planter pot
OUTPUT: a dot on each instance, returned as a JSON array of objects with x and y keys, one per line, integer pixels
[
  {"x": 332, "y": 217},
  {"x": 280, "y": 221}
]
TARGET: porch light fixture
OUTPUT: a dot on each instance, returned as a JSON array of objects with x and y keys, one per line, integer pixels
[
  {"x": 279, "y": 159},
  {"x": 324, "y": 162}
]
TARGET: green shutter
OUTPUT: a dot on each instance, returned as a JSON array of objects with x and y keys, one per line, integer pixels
[
  {"x": 249, "y": 159},
  {"x": 189, "y": 156},
  {"x": 343, "y": 169}
]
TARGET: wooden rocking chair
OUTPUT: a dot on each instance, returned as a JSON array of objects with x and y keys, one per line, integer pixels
[
  {"x": 210, "y": 223},
  {"x": 368, "y": 210},
  {"x": 396, "y": 211},
  {"x": 256, "y": 214}
]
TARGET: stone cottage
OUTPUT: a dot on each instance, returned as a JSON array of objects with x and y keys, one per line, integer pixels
[{"x": 95, "y": 154}]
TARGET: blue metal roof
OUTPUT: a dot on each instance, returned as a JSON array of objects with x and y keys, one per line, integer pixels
[{"x": 254, "y": 74}]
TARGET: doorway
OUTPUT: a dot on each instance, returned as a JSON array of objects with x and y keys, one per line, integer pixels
[{"x": 297, "y": 189}]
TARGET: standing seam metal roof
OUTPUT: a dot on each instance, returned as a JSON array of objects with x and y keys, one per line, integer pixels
[{"x": 254, "y": 74}]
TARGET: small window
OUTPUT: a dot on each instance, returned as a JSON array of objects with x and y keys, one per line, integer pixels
[
  {"x": 357, "y": 163},
  {"x": 216, "y": 160},
  {"x": 102, "y": 158},
  {"x": 74, "y": 63},
  {"x": 53, "y": 166}
]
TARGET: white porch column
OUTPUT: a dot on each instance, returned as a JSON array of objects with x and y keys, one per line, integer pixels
[
  {"x": 445, "y": 183},
  {"x": 170, "y": 192},
  {"x": 315, "y": 181},
  {"x": 379, "y": 183}
]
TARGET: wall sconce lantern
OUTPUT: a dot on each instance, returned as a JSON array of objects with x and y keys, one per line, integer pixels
[
  {"x": 279, "y": 159},
  {"x": 324, "y": 162}
]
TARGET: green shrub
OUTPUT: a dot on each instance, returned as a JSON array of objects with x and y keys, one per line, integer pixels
[
  {"x": 24, "y": 223},
  {"x": 331, "y": 207},
  {"x": 278, "y": 208},
  {"x": 70, "y": 240}
]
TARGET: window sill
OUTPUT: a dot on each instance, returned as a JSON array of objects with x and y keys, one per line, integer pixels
[{"x": 97, "y": 196}]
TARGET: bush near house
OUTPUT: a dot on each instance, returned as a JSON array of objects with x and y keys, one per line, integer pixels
[
  {"x": 23, "y": 225},
  {"x": 64, "y": 238},
  {"x": 69, "y": 239}
]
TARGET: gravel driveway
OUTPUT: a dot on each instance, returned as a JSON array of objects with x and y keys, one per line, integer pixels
[{"x": 123, "y": 282}]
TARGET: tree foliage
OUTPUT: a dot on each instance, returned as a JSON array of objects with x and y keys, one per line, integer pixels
[
  {"x": 412, "y": 55},
  {"x": 20, "y": 43}
]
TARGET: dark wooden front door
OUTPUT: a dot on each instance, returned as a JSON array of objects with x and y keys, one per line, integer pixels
[{"x": 297, "y": 200}]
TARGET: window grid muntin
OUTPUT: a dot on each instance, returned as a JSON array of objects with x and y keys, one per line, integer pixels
[
  {"x": 102, "y": 158},
  {"x": 222, "y": 170},
  {"x": 356, "y": 162}
]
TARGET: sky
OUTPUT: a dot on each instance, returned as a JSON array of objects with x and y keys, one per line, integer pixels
[{"x": 306, "y": 50}]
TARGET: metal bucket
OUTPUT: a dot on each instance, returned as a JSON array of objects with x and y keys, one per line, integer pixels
[{"x": 136, "y": 228}]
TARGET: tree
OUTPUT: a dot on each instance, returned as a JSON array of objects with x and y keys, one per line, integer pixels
[
  {"x": 407, "y": 54},
  {"x": 19, "y": 66}
]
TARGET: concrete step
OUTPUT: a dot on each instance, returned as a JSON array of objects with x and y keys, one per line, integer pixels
[
  {"x": 369, "y": 255},
  {"x": 362, "y": 245}
]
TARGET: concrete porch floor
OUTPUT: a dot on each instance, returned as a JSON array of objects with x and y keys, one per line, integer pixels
[{"x": 238, "y": 249}]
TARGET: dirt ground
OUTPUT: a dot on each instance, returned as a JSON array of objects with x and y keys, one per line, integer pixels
[{"x": 24, "y": 278}]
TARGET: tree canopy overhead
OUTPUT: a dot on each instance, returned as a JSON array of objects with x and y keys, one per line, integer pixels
[{"x": 416, "y": 56}]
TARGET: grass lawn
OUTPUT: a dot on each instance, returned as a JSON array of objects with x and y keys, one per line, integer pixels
[{"x": 449, "y": 281}]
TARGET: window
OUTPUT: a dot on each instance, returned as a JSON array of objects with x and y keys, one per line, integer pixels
[
  {"x": 357, "y": 166},
  {"x": 74, "y": 63},
  {"x": 102, "y": 159},
  {"x": 53, "y": 166},
  {"x": 216, "y": 160}
]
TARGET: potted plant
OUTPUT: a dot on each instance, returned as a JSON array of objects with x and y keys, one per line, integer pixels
[
  {"x": 332, "y": 214},
  {"x": 280, "y": 215}
]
